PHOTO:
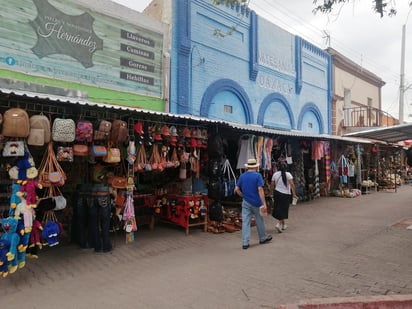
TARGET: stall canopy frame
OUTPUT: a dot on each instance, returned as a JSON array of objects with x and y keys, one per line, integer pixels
[{"x": 391, "y": 134}]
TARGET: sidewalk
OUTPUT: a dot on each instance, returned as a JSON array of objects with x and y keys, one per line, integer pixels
[{"x": 334, "y": 247}]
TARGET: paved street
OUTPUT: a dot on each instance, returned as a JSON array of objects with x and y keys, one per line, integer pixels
[{"x": 333, "y": 247}]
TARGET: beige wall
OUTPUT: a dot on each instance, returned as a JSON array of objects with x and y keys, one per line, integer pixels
[{"x": 360, "y": 89}]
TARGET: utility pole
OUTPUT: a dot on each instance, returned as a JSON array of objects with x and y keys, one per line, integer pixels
[{"x": 402, "y": 78}]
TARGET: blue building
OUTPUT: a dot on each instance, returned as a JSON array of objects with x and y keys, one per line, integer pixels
[{"x": 229, "y": 64}]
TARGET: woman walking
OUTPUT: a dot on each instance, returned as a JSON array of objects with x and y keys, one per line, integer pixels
[{"x": 282, "y": 187}]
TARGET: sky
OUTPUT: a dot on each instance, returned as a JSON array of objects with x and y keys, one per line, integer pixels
[{"x": 354, "y": 30}]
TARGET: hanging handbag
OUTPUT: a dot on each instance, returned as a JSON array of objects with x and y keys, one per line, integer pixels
[
  {"x": 155, "y": 159},
  {"x": 80, "y": 150},
  {"x": 113, "y": 155},
  {"x": 13, "y": 149},
  {"x": 50, "y": 171},
  {"x": 119, "y": 182},
  {"x": 64, "y": 154},
  {"x": 120, "y": 199},
  {"x": 228, "y": 179},
  {"x": 63, "y": 130},
  {"x": 98, "y": 150},
  {"x": 141, "y": 159}
]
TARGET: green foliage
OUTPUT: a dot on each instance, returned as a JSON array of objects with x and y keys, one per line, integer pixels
[{"x": 382, "y": 7}]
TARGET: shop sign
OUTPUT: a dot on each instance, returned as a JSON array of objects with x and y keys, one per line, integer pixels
[{"x": 88, "y": 46}]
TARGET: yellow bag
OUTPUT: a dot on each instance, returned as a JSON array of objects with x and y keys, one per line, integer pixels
[{"x": 113, "y": 155}]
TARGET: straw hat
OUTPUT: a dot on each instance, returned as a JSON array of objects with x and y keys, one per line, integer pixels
[{"x": 252, "y": 163}]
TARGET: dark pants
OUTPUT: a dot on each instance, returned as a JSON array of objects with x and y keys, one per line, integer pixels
[
  {"x": 92, "y": 213},
  {"x": 99, "y": 222}
]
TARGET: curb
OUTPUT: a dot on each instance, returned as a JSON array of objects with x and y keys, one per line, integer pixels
[{"x": 360, "y": 302}]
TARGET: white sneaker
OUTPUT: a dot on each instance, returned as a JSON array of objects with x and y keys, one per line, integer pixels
[
  {"x": 284, "y": 227},
  {"x": 278, "y": 228}
]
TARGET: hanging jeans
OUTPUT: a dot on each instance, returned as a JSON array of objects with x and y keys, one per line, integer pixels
[
  {"x": 82, "y": 233},
  {"x": 99, "y": 219}
]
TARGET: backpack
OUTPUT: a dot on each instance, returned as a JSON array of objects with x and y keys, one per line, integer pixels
[
  {"x": 40, "y": 133},
  {"x": 119, "y": 131},
  {"x": 63, "y": 130},
  {"x": 102, "y": 129},
  {"x": 16, "y": 123},
  {"x": 216, "y": 212},
  {"x": 84, "y": 131}
]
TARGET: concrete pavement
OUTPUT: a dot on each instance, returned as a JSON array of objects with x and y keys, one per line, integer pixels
[{"x": 334, "y": 247}]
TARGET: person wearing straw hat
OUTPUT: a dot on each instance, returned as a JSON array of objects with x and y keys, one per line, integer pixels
[{"x": 250, "y": 187}]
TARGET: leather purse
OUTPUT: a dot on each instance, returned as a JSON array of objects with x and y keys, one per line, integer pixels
[
  {"x": 119, "y": 182},
  {"x": 80, "y": 150},
  {"x": 112, "y": 156}
]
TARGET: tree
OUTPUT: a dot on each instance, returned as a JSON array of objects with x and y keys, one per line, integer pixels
[
  {"x": 382, "y": 7},
  {"x": 379, "y": 6}
]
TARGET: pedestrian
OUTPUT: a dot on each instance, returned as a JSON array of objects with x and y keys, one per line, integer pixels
[
  {"x": 282, "y": 187},
  {"x": 250, "y": 187}
]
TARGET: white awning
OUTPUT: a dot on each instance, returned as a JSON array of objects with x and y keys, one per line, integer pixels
[
  {"x": 238, "y": 126},
  {"x": 391, "y": 134}
]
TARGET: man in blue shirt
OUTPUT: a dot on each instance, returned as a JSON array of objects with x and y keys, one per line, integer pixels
[{"x": 250, "y": 187}]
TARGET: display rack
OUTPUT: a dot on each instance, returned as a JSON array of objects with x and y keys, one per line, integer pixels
[{"x": 186, "y": 211}]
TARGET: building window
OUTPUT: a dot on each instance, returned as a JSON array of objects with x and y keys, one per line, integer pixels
[
  {"x": 310, "y": 125},
  {"x": 228, "y": 109}
]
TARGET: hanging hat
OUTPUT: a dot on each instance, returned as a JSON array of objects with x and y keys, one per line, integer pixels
[
  {"x": 165, "y": 130},
  {"x": 186, "y": 132},
  {"x": 193, "y": 143},
  {"x": 252, "y": 163},
  {"x": 138, "y": 127},
  {"x": 173, "y": 131},
  {"x": 173, "y": 140}
]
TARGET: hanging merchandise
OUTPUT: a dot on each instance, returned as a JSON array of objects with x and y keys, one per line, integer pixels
[
  {"x": 98, "y": 150},
  {"x": 246, "y": 150},
  {"x": 64, "y": 153},
  {"x": 155, "y": 159},
  {"x": 112, "y": 155},
  {"x": 131, "y": 151},
  {"x": 80, "y": 150},
  {"x": 140, "y": 163},
  {"x": 343, "y": 169},
  {"x": 328, "y": 172},
  {"x": 101, "y": 130},
  {"x": 130, "y": 225},
  {"x": 50, "y": 171},
  {"x": 51, "y": 228},
  {"x": 84, "y": 131},
  {"x": 228, "y": 179},
  {"x": 63, "y": 130},
  {"x": 16, "y": 123},
  {"x": 351, "y": 169},
  {"x": 13, "y": 149},
  {"x": 119, "y": 131},
  {"x": 40, "y": 132}
]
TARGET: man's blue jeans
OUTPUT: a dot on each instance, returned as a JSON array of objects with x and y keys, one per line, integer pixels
[{"x": 248, "y": 211}]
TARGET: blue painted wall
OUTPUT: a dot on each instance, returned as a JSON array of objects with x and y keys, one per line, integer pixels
[{"x": 257, "y": 74}]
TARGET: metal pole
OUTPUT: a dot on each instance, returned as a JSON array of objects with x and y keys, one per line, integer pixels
[{"x": 402, "y": 77}]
